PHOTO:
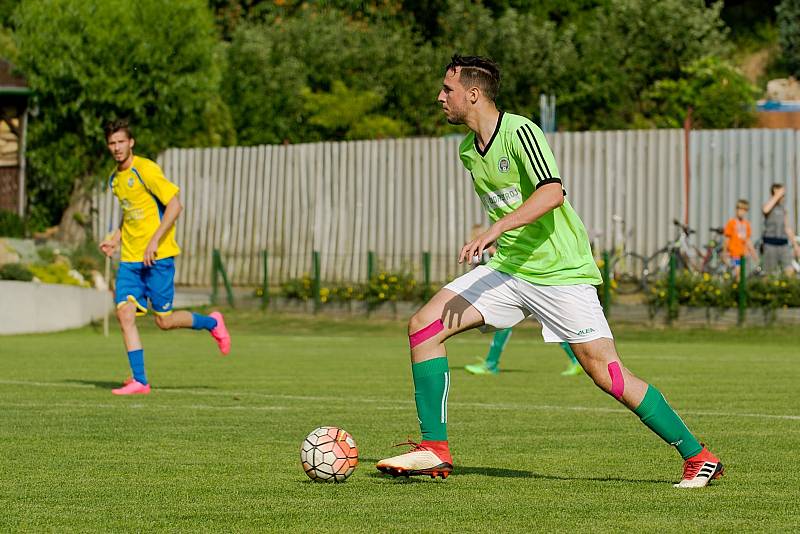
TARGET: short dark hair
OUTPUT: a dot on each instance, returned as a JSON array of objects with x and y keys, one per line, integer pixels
[
  {"x": 774, "y": 188},
  {"x": 117, "y": 125},
  {"x": 743, "y": 203},
  {"x": 477, "y": 71}
]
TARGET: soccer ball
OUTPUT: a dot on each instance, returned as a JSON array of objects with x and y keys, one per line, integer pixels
[{"x": 329, "y": 454}]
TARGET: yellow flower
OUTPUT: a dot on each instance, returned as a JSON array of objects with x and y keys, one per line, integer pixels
[
  {"x": 706, "y": 277},
  {"x": 324, "y": 291},
  {"x": 392, "y": 279},
  {"x": 385, "y": 286},
  {"x": 662, "y": 294},
  {"x": 380, "y": 295}
]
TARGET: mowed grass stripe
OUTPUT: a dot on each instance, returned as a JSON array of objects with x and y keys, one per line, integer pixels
[{"x": 255, "y": 394}]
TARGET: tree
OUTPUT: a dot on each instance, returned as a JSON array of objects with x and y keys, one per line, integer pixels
[
  {"x": 153, "y": 62},
  {"x": 346, "y": 114},
  {"x": 270, "y": 65},
  {"x": 720, "y": 96},
  {"x": 789, "y": 25},
  {"x": 629, "y": 45}
]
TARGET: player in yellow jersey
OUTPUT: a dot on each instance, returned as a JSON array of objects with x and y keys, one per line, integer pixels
[{"x": 150, "y": 207}]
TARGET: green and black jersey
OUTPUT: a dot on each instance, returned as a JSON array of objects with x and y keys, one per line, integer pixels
[{"x": 553, "y": 250}]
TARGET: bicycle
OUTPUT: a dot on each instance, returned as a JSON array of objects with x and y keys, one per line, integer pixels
[{"x": 625, "y": 267}]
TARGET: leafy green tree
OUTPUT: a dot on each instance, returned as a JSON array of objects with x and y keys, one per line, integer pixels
[
  {"x": 345, "y": 114},
  {"x": 270, "y": 64},
  {"x": 153, "y": 62},
  {"x": 629, "y": 45},
  {"x": 719, "y": 95},
  {"x": 789, "y": 25}
]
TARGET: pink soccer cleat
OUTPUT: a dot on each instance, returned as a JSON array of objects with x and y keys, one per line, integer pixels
[
  {"x": 132, "y": 388},
  {"x": 220, "y": 333}
]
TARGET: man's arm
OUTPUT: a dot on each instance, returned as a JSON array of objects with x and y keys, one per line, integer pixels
[
  {"x": 545, "y": 199},
  {"x": 774, "y": 199},
  {"x": 790, "y": 234},
  {"x": 173, "y": 209},
  {"x": 111, "y": 242}
]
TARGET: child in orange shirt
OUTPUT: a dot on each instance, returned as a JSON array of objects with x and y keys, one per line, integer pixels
[{"x": 737, "y": 237}]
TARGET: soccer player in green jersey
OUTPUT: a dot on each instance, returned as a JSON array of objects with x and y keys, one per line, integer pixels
[
  {"x": 543, "y": 267},
  {"x": 491, "y": 364}
]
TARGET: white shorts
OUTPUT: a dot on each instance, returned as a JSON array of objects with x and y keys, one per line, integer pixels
[{"x": 567, "y": 313}]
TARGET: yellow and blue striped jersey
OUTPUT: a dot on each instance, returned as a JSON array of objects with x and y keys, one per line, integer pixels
[{"x": 143, "y": 192}]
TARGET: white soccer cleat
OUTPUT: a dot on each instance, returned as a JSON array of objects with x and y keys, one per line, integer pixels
[
  {"x": 426, "y": 458},
  {"x": 700, "y": 470}
]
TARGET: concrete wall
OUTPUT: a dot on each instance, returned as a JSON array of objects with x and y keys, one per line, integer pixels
[{"x": 30, "y": 307}]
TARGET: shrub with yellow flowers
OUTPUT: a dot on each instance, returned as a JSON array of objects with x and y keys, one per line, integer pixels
[{"x": 705, "y": 291}]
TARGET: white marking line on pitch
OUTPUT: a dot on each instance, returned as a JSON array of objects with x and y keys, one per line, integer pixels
[
  {"x": 481, "y": 405},
  {"x": 139, "y": 405}
]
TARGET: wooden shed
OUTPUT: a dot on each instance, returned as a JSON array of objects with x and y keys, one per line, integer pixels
[{"x": 14, "y": 104}]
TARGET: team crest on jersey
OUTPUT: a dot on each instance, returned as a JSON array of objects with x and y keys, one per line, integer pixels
[
  {"x": 503, "y": 165},
  {"x": 130, "y": 181}
]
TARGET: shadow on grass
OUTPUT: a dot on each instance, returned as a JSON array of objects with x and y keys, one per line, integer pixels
[
  {"x": 500, "y": 472},
  {"x": 104, "y": 384}
]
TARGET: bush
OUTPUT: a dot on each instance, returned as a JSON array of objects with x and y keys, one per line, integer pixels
[
  {"x": 705, "y": 291},
  {"x": 11, "y": 224},
  {"x": 383, "y": 287},
  {"x": 15, "y": 271},
  {"x": 58, "y": 273},
  {"x": 87, "y": 258}
]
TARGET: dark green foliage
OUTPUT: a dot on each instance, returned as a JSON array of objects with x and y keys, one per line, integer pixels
[
  {"x": 271, "y": 65},
  {"x": 11, "y": 224},
  {"x": 628, "y": 46},
  {"x": 720, "y": 96},
  {"x": 789, "y": 25},
  {"x": 150, "y": 61},
  {"x": 15, "y": 271}
]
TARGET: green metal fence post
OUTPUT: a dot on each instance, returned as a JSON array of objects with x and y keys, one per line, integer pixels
[
  {"x": 672, "y": 292},
  {"x": 426, "y": 274},
  {"x": 225, "y": 280},
  {"x": 742, "y": 291},
  {"x": 317, "y": 283},
  {"x": 370, "y": 265},
  {"x": 606, "y": 282},
  {"x": 265, "y": 285},
  {"x": 214, "y": 276}
]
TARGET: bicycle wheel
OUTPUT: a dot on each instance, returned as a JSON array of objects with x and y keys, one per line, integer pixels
[
  {"x": 656, "y": 268},
  {"x": 627, "y": 273}
]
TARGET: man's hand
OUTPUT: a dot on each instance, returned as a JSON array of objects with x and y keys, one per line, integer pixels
[
  {"x": 110, "y": 244},
  {"x": 478, "y": 245},
  {"x": 151, "y": 253}
]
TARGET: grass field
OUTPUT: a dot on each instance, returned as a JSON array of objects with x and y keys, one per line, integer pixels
[{"x": 216, "y": 445}]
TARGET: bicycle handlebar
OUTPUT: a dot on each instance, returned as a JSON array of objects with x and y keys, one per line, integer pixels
[{"x": 684, "y": 228}]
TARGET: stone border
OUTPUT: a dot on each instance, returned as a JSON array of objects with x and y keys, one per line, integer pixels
[{"x": 32, "y": 307}]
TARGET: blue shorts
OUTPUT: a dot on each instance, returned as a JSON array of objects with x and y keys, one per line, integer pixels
[
  {"x": 736, "y": 262},
  {"x": 137, "y": 283}
]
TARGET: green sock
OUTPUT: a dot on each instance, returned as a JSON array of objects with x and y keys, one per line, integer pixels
[
  {"x": 568, "y": 350},
  {"x": 656, "y": 413},
  {"x": 499, "y": 342},
  {"x": 431, "y": 386}
]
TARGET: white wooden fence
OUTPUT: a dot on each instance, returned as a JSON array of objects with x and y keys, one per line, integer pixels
[{"x": 400, "y": 198}]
